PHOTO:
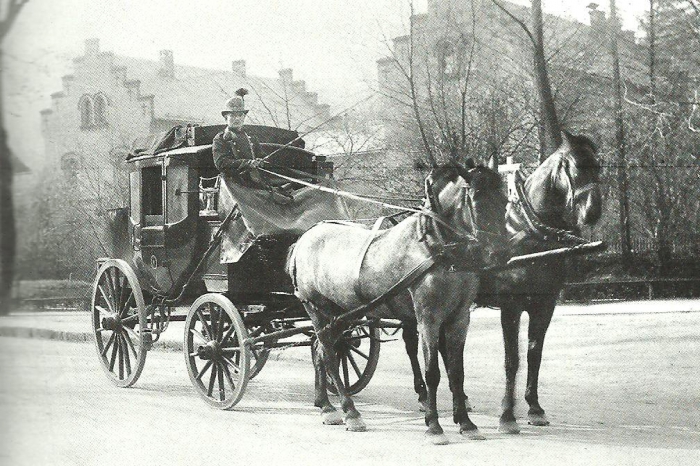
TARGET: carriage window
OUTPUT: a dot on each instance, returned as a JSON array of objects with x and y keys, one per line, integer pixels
[
  {"x": 135, "y": 188},
  {"x": 177, "y": 203},
  {"x": 152, "y": 189}
]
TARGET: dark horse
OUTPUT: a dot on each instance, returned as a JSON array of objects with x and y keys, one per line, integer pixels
[
  {"x": 554, "y": 202},
  {"x": 339, "y": 267}
]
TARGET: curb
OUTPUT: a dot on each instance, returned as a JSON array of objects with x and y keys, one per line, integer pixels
[
  {"x": 45, "y": 334},
  {"x": 86, "y": 337},
  {"x": 72, "y": 337}
]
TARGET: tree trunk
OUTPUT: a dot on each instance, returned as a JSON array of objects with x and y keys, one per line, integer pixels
[
  {"x": 620, "y": 142},
  {"x": 7, "y": 216},
  {"x": 551, "y": 139}
]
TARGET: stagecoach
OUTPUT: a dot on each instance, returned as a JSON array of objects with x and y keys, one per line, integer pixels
[{"x": 186, "y": 242}]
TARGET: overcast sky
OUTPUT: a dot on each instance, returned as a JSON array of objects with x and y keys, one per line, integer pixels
[{"x": 332, "y": 44}]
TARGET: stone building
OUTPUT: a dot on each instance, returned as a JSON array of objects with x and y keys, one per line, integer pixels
[
  {"x": 105, "y": 105},
  {"x": 110, "y": 100},
  {"x": 472, "y": 50}
]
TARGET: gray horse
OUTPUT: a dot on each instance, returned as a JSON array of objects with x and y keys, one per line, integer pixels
[{"x": 338, "y": 267}]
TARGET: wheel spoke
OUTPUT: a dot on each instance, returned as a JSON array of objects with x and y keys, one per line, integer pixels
[
  {"x": 121, "y": 304},
  {"x": 228, "y": 333},
  {"x": 220, "y": 326},
  {"x": 107, "y": 300},
  {"x": 355, "y": 350},
  {"x": 109, "y": 343},
  {"x": 129, "y": 342},
  {"x": 125, "y": 306},
  {"x": 212, "y": 379},
  {"x": 229, "y": 377},
  {"x": 205, "y": 324},
  {"x": 102, "y": 310},
  {"x": 222, "y": 393},
  {"x": 346, "y": 377},
  {"x": 114, "y": 356},
  {"x": 132, "y": 332},
  {"x": 355, "y": 367},
  {"x": 127, "y": 358},
  {"x": 204, "y": 369},
  {"x": 196, "y": 333},
  {"x": 234, "y": 366},
  {"x": 120, "y": 357}
]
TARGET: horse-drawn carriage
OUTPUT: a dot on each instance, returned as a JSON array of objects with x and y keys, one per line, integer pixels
[{"x": 189, "y": 238}]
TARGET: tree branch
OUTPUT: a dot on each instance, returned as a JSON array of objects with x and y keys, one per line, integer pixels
[{"x": 517, "y": 20}]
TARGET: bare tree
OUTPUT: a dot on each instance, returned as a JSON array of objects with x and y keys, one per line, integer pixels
[{"x": 8, "y": 247}]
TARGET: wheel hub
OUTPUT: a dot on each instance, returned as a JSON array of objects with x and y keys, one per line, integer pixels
[
  {"x": 111, "y": 323},
  {"x": 212, "y": 350}
]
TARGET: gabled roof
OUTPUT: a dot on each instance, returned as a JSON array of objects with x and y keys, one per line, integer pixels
[{"x": 198, "y": 94}]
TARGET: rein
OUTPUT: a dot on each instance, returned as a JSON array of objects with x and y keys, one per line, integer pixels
[{"x": 340, "y": 193}]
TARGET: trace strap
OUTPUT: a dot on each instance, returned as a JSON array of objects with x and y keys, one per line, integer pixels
[{"x": 417, "y": 272}]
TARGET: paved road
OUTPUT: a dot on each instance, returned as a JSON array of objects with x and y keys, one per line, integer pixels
[{"x": 619, "y": 389}]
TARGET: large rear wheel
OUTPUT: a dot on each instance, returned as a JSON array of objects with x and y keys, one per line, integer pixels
[
  {"x": 118, "y": 312},
  {"x": 217, "y": 361}
]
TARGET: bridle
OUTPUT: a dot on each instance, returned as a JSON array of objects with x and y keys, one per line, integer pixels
[{"x": 574, "y": 192}]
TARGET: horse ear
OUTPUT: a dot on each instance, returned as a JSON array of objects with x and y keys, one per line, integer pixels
[
  {"x": 469, "y": 163},
  {"x": 566, "y": 138},
  {"x": 493, "y": 163}
]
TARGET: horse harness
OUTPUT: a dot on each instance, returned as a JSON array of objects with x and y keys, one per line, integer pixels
[
  {"x": 439, "y": 251},
  {"x": 534, "y": 226}
]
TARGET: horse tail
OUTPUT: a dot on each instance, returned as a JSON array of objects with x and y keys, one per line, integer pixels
[{"x": 291, "y": 266}]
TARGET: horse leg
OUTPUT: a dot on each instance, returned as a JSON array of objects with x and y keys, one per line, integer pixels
[
  {"x": 353, "y": 419},
  {"x": 434, "y": 434},
  {"x": 510, "y": 324},
  {"x": 409, "y": 333},
  {"x": 540, "y": 318},
  {"x": 443, "y": 352},
  {"x": 452, "y": 339},
  {"x": 328, "y": 412}
]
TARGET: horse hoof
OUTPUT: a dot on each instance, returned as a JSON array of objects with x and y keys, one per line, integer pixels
[
  {"x": 355, "y": 424},
  {"x": 472, "y": 434},
  {"x": 436, "y": 439},
  {"x": 509, "y": 427},
  {"x": 537, "y": 420},
  {"x": 332, "y": 418}
]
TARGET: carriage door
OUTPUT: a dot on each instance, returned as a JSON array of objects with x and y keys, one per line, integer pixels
[{"x": 152, "y": 214}]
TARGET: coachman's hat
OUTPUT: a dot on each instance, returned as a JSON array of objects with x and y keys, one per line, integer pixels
[{"x": 235, "y": 104}]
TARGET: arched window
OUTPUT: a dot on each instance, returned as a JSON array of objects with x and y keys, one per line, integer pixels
[
  {"x": 449, "y": 58},
  {"x": 100, "y": 102},
  {"x": 86, "y": 108}
]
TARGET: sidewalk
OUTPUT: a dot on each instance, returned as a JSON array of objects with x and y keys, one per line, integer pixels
[{"x": 76, "y": 326}]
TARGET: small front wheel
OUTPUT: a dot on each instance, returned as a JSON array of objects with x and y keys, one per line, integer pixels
[
  {"x": 122, "y": 336},
  {"x": 217, "y": 360}
]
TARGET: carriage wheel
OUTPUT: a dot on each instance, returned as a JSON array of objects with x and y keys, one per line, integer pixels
[
  {"x": 358, "y": 354},
  {"x": 122, "y": 337},
  {"x": 217, "y": 360},
  {"x": 259, "y": 353}
]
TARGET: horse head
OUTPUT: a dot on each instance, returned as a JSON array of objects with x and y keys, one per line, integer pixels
[
  {"x": 564, "y": 190},
  {"x": 471, "y": 200}
]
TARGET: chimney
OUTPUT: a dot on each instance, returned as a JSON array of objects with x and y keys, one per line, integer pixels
[
  {"x": 299, "y": 87},
  {"x": 167, "y": 64},
  {"x": 597, "y": 16},
  {"x": 92, "y": 47},
  {"x": 286, "y": 75},
  {"x": 238, "y": 67}
]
